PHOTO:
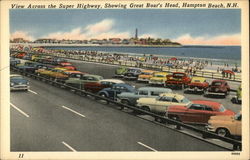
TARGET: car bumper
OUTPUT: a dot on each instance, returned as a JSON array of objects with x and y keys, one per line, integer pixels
[
  {"x": 215, "y": 93},
  {"x": 210, "y": 128},
  {"x": 143, "y": 79},
  {"x": 19, "y": 88},
  {"x": 195, "y": 89},
  {"x": 157, "y": 83}
]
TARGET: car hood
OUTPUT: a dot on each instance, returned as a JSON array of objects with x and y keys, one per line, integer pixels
[
  {"x": 146, "y": 100},
  {"x": 22, "y": 81},
  {"x": 157, "y": 78}
]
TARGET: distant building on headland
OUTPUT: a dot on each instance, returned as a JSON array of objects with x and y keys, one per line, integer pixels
[{"x": 107, "y": 41}]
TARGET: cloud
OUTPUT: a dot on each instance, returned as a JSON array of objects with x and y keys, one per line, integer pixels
[
  {"x": 187, "y": 39},
  {"x": 21, "y": 34},
  {"x": 100, "y": 30}
]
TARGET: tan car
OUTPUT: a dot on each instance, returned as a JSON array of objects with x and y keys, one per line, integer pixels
[
  {"x": 225, "y": 125},
  {"x": 145, "y": 75}
]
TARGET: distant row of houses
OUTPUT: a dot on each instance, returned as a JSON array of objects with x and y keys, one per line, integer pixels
[{"x": 131, "y": 41}]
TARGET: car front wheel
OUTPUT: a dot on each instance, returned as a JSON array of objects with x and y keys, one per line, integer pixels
[{"x": 222, "y": 132}]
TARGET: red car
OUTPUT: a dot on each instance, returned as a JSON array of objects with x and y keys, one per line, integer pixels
[
  {"x": 95, "y": 87},
  {"x": 218, "y": 87},
  {"x": 197, "y": 84},
  {"x": 67, "y": 65},
  {"x": 20, "y": 55},
  {"x": 198, "y": 112},
  {"x": 178, "y": 79}
]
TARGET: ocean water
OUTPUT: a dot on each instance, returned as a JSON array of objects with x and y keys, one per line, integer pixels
[{"x": 217, "y": 54}]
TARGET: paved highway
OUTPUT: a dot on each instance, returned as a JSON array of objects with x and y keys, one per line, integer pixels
[{"x": 47, "y": 118}]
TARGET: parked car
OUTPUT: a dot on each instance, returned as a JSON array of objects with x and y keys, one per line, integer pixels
[
  {"x": 17, "y": 82},
  {"x": 67, "y": 65},
  {"x": 197, "y": 112},
  {"x": 14, "y": 62},
  {"x": 197, "y": 84},
  {"x": 130, "y": 98},
  {"x": 132, "y": 73},
  {"x": 158, "y": 78},
  {"x": 218, "y": 87},
  {"x": 145, "y": 75},
  {"x": 116, "y": 89},
  {"x": 160, "y": 104},
  {"x": 97, "y": 86},
  {"x": 225, "y": 125},
  {"x": 178, "y": 79},
  {"x": 237, "y": 99},
  {"x": 119, "y": 72},
  {"x": 79, "y": 82}
]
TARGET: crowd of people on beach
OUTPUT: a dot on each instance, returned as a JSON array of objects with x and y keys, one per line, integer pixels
[{"x": 191, "y": 66}]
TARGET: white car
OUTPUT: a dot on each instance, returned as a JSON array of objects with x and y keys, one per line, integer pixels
[{"x": 160, "y": 103}]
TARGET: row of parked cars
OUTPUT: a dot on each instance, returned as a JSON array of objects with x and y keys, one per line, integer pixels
[
  {"x": 179, "y": 80},
  {"x": 154, "y": 99}
]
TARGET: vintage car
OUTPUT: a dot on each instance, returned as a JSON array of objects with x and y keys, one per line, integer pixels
[
  {"x": 237, "y": 99},
  {"x": 97, "y": 86},
  {"x": 177, "y": 79},
  {"x": 198, "y": 111},
  {"x": 29, "y": 66},
  {"x": 158, "y": 78},
  {"x": 79, "y": 82},
  {"x": 132, "y": 73},
  {"x": 58, "y": 74},
  {"x": 17, "y": 82},
  {"x": 130, "y": 98},
  {"x": 160, "y": 104},
  {"x": 119, "y": 72},
  {"x": 14, "y": 62},
  {"x": 145, "y": 75},
  {"x": 67, "y": 65},
  {"x": 116, "y": 89},
  {"x": 197, "y": 84},
  {"x": 50, "y": 72},
  {"x": 218, "y": 87},
  {"x": 225, "y": 125},
  {"x": 20, "y": 55}
]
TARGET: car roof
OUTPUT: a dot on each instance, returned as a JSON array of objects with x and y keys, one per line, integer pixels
[
  {"x": 148, "y": 71},
  {"x": 202, "y": 79},
  {"x": 163, "y": 90},
  {"x": 175, "y": 95},
  {"x": 161, "y": 73},
  {"x": 112, "y": 80},
  {"x": 92, "y": 75}
]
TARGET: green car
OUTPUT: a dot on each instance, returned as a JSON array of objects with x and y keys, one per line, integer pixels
[
  {"x": 238, "y": 97},
  {"x": 78, "y": 82},
  {"x": 119, "y": 72}
]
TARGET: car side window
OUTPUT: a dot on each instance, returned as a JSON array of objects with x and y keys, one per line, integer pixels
[
  {"x": 143, "y": 92},
  {"x": 166, "y": 99},
  {"x": 175, "y": 100},
  {"x": 196, "y": 107},
  {"x": 207, "y": 108},
  {"x": 239, "y": 118},
  {"x": 84, "y": 78},
  {"x": 155, "y": 93}
]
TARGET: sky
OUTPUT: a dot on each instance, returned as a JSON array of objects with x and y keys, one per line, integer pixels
[{"x": 189, "y": 27}]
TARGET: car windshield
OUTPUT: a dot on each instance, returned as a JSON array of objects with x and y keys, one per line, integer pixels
[
  {"x": 146, "y": 73},
  {"x": 131, "y": 70},
  {"x": 185, "y": 100},
  {"x": 222, "y": 108},
  {"x": 178, "y": 75},
  {"x": 159, "y": 75}
]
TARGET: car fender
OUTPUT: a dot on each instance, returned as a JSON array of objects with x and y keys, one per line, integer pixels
[{"x": 104, "y": 92}]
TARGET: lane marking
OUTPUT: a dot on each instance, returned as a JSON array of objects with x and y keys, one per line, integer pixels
[
  {"x": 32, "y": 91},
  {"x": 73, "y": 111},
  {"x": 12, "y": 105},
  {"x": 71, "y": 148},
  {"x": 147, "y": 146}
]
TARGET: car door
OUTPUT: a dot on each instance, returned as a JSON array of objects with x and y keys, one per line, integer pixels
[
  {"x": 161, "y": 104},
  {"x": 193, "y": 114},
  {"x": 208, "y": 112}
]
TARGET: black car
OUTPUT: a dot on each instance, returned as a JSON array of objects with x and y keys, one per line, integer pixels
[{"x": 132, "y": 73}]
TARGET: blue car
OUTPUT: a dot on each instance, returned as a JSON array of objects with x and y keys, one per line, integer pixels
[
  {"x": 116, "y": 89},
  {"x": 17, "y": 82}
]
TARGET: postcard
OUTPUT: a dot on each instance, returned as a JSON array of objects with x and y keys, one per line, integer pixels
[{"x": 124, "y": 79}]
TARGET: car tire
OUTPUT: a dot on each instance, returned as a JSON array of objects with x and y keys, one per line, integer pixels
[
  {"x": 103, "y": 95},
  {"x": 222, "y": 132},
  {"x": 175, "y": 117},
  {"x": 146, "y": 108}
]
